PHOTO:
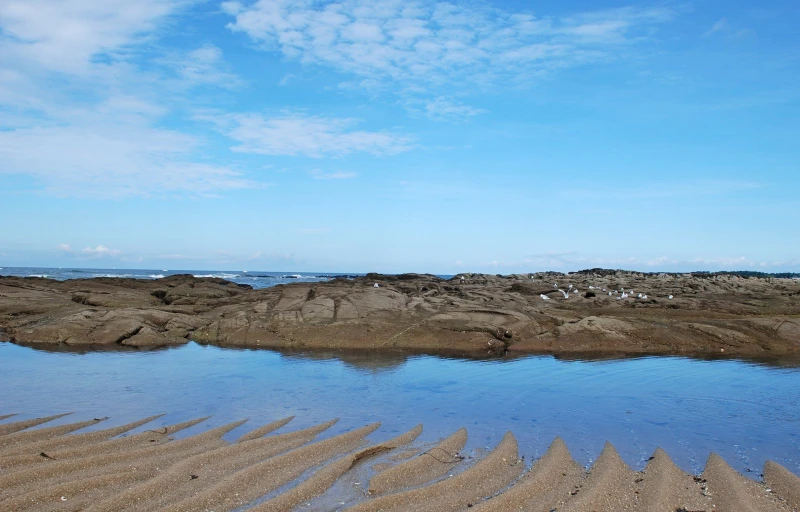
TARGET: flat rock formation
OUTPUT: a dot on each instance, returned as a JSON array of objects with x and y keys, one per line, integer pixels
[
  {"x": 114, "y": 469},
  {"x": 599, "y": 312}
]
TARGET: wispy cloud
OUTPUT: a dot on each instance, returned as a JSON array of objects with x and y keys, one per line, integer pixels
[
  {"x": 573, "y": 261},
  {"x": 64, "y": 247},
  {"x": 202, "y": 66},
  {"x": 106, "y": 159},
  {"x": 69, "y": 35},
  {"x": 666, "y": 190},
  {"x": 336, "y": 175},
  {"x": 718, "y": 26},
  {"x": 73, "y": 81},
  {"x": 443, "y": 108},
  {"x": 305, "y": 135},
  {"x": 723, "y": 26},
  {"x": 100, "y": 250},
  {"x": 421, "y": 45}
]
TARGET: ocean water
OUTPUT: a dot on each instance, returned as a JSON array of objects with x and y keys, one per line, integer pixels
[
  {"x": 746, "y": 412},
  {"x": 256, "y": 279}
]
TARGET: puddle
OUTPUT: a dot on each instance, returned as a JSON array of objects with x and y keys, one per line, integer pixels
[{"x": 745, "y": 412}]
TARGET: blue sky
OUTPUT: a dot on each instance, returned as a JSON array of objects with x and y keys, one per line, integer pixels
[{"x": 354, "y": 135}]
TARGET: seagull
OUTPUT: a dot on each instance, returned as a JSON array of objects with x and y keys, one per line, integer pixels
[
  {"x": 670, "y": 297},
  {"x": 566, "y": 294},
  {"x": 644, "y": 296},
  {"x": 640, "y": 295},
  {"x": 544, "y": 297},
  {"x": 609, "y": 294},
  {"x": 624, "y": 295},
  {"x": 376, "y": 285},
  {"x": 555, "y": 285},
  {"x": 570, "y": 287}
]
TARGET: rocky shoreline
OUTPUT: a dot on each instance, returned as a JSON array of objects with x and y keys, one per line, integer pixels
[{"x": 601, "y": 312}]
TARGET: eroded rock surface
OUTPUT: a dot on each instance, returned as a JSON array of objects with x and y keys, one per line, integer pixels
[{"x": 604, "y": 312}]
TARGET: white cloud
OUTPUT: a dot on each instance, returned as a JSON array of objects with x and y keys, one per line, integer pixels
[
  {"x": 423, "y": 44},
  {"x": 66, "y": 35},
  {"x": 105, "y": 159},
  {"x": 298, "y": 134},
  {"x": 100, "y": 250},
  {"x": 64, "y": 247},
  {"x": 82, "y": 108}
]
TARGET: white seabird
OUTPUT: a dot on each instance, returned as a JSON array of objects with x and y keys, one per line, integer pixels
[
  {"x": 544, "y": 297},
  {"x": 376, "y": 285}
]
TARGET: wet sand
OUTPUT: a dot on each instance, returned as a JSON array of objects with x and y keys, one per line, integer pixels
[{"x": 59, "y": 468}]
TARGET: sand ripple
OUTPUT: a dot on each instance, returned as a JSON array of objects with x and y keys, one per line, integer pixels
[{"x": 53, "y": 468}]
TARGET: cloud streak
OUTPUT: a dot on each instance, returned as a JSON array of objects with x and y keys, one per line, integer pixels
[
  {"x": 100, "y": 250},
  {"x": 305, "y": 135},
  {"x": 337, "y": 175},
  {"x": 667, "y": 190}
]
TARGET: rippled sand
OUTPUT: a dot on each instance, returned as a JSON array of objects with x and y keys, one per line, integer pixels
[{"x": 51, "y": 468}]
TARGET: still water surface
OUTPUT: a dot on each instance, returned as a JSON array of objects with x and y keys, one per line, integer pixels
[{"x": 745, "y": 412}]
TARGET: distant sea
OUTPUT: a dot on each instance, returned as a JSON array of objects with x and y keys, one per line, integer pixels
[{"x": 256, "y": 279}]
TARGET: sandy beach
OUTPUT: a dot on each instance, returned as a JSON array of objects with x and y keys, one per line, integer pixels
[
  {"x": 273, "y": 467},
  {"x": 601, "y": 312}
]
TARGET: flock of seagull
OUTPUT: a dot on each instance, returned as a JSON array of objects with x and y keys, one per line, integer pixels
[{"x": 620, "y": 294}]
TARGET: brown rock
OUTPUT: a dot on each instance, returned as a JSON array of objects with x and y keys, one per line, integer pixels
[{"x": 470, "y": 313}]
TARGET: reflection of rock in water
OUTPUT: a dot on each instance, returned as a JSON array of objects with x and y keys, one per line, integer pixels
[
  {"x": 360, "y": 360},
  {"x": 88, "y": 349}
]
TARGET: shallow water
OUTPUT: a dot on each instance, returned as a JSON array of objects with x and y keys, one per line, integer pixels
[
  {"x": 256, "y": 279},
  {"x": 745, "y": 412}
]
